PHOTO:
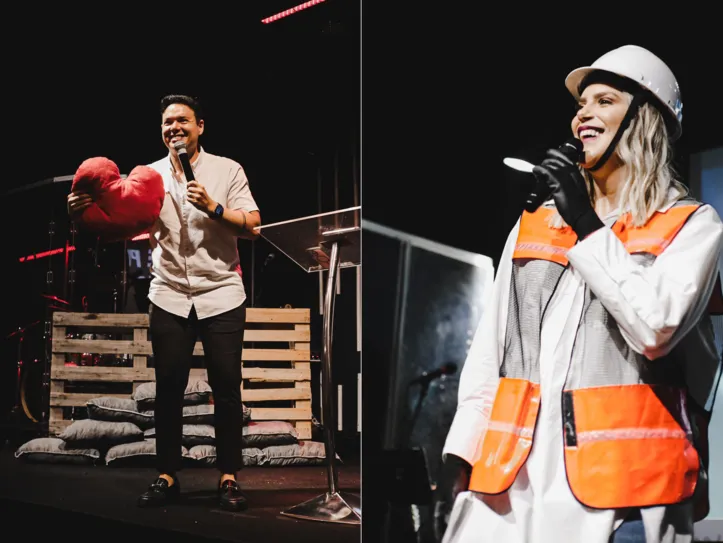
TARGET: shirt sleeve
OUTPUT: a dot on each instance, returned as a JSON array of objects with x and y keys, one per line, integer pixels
[
  {"x": 480, "y": 374},
  {"x": 239, "y": 192},
  {"x": 654, "y": 306}
]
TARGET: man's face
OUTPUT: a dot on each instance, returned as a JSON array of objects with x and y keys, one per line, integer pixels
[{"x": 179, "y": 124}]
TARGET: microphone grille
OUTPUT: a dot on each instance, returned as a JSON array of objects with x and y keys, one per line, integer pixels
[
  {"x": 573, "y": 148},
  {"x": 180, "y": 146}
]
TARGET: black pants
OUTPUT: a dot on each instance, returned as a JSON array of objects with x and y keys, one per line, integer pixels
[{"x": 173, "y": 339}]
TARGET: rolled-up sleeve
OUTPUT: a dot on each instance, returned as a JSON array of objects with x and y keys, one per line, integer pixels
[
  {"x": 654, "y": 306},
  {"x": 239, "y": 192}
]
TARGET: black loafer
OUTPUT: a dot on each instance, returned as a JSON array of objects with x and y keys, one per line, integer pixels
[
  {"x": 160, "y": 493},
  {"x": 230, "y": 496}
]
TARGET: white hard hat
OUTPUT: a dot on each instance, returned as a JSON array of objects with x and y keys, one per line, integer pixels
[{"x": 645, "y": 69}]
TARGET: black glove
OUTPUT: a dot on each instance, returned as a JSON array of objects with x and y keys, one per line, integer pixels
[
  {"x": 569, "y": 193},
  {"x": 454, "y": 478}
]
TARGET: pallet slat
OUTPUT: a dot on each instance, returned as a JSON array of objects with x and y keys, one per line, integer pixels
[
  {"x": 97, "y": 373},
  {"x": 264, "y": 375},
  {"x": 288, "y": 327},
  {"x": 266, "y": 394},
  {"x": 268, "y": 336},
  {"x": 279, "y": 413},
  {"x": 121, "y": 346},
  {"x": 80, "y": 399},
  {"x": 76, "y": 399},
  {"x": 140, "y": 320}
]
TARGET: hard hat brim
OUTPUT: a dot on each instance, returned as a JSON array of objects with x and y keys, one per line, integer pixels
[{"x": 575, "y": 77}]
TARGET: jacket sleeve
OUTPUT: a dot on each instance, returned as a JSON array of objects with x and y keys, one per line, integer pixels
[
  {"x": 654, "y": 306},
  {"x": 480, "y": 374}
]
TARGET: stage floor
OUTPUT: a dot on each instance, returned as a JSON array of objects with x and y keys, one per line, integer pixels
[{"x": 46, "y": 500}]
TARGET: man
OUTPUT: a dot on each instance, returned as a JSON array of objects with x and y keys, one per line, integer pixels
[{"x": 196, "y": 291}]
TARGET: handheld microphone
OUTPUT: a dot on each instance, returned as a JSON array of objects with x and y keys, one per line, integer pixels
[
  {"x": 572, "y": 149},
  {"x": 269, "y": 258},
  {"x": 180, "y": 147},
  {"x": 447, "y": 369}
]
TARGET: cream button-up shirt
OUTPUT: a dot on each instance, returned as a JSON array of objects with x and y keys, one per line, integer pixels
[{"x": 195, "y": 260}]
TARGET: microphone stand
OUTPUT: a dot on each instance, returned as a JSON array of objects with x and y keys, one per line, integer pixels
[
  {"x": 403, "y": 518},
  {"x": 424, "y": 390}
]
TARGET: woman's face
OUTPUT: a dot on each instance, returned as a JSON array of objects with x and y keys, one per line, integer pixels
[{"x": 601, "y": 110}]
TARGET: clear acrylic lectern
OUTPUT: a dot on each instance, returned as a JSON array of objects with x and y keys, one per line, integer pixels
[{"x": 328, "y": 241}]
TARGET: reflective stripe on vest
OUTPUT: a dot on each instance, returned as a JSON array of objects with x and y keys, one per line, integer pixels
[{"x": 626, "y": 444}]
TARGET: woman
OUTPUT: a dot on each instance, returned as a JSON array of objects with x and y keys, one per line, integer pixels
[{"x": 576, "y": 407}]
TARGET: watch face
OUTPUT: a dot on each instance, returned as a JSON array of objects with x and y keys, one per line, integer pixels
[{"x": 219, "y": 210}]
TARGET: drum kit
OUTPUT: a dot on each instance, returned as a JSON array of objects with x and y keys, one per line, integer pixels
[{"x": 103, "y": 284}]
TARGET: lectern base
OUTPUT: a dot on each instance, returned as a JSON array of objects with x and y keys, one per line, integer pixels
[{"x": 339, "y": 507}]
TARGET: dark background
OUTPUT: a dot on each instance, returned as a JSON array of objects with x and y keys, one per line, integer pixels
[{"x": 446, "y": 98}]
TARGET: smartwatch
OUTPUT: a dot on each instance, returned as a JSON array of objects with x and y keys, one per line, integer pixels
[{"x": 218, "y": 212}]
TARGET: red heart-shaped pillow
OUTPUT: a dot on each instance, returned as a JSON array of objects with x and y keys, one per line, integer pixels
[{"x": 121, "y": 208}]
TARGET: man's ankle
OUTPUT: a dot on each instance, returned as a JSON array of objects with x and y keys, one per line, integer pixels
[
  {"x": 226, "y": 477},
  {"x": 170, "y": 478}
]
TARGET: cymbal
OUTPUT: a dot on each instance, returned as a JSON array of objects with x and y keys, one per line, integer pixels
[
  {"x": 48, "y": 181},
  {"x": 22, "y": 330},
  {"x": 55, "y": 299},
  {"x": 45, "y": 182}
]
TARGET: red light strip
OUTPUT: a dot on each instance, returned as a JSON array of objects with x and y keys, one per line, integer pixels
[
  {"x": 141, "y": 236},
  {"x": 37, "y": 256},
  {"x": 291, "y": 11}
]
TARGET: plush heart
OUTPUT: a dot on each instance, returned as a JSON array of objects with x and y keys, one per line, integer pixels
[{"x": 121, "y": 208}]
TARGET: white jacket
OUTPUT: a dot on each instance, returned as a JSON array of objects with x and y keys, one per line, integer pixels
[{"x": 654, "y": 308}]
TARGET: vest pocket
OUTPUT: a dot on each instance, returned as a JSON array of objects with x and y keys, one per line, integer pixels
[{"x": 628, "y": 446}]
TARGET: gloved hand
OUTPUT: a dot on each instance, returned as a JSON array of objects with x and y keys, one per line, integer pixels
[
  {"x": 454, "y": 478},
  {"x": 569, "y": 193}
]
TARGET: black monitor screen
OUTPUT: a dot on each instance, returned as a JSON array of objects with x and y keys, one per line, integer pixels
[{"x": 138, "y": 253}]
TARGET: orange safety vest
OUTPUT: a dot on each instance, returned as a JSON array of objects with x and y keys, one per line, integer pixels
[{"x": 628, "y": 439}]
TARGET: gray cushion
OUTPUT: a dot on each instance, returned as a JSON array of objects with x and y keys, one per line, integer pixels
[
  {"x": 118, "y": 410},
  {"x": 266, "y": 433},
  {"x": 53, "y": 450},
  {"x": 198, "y": 414},
  {"x": 100, "y": 434},
  {"x": 197, "y": 392},
  {"x": 194, "y": 414},
  {"x": 193, "y": 434},
  {"x": 254, "y": 435},
  {"x": 205, "y": 455},
  {"x": 303, "y": 453},
  {"x": 203, "y": 414},
  {"x": 139, "y": 453}
]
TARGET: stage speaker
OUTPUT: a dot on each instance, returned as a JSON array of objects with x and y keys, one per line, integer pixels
[{"x": 422, "y": 302}]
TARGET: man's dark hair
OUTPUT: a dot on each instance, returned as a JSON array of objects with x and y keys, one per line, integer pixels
[{"x": 189, "y": 101}]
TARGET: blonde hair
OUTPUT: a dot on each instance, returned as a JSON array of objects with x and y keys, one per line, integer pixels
[{"x": 647, "y": 152}]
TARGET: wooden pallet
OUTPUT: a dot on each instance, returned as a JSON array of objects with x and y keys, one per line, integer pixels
[{"x": 280, "y": 372}]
